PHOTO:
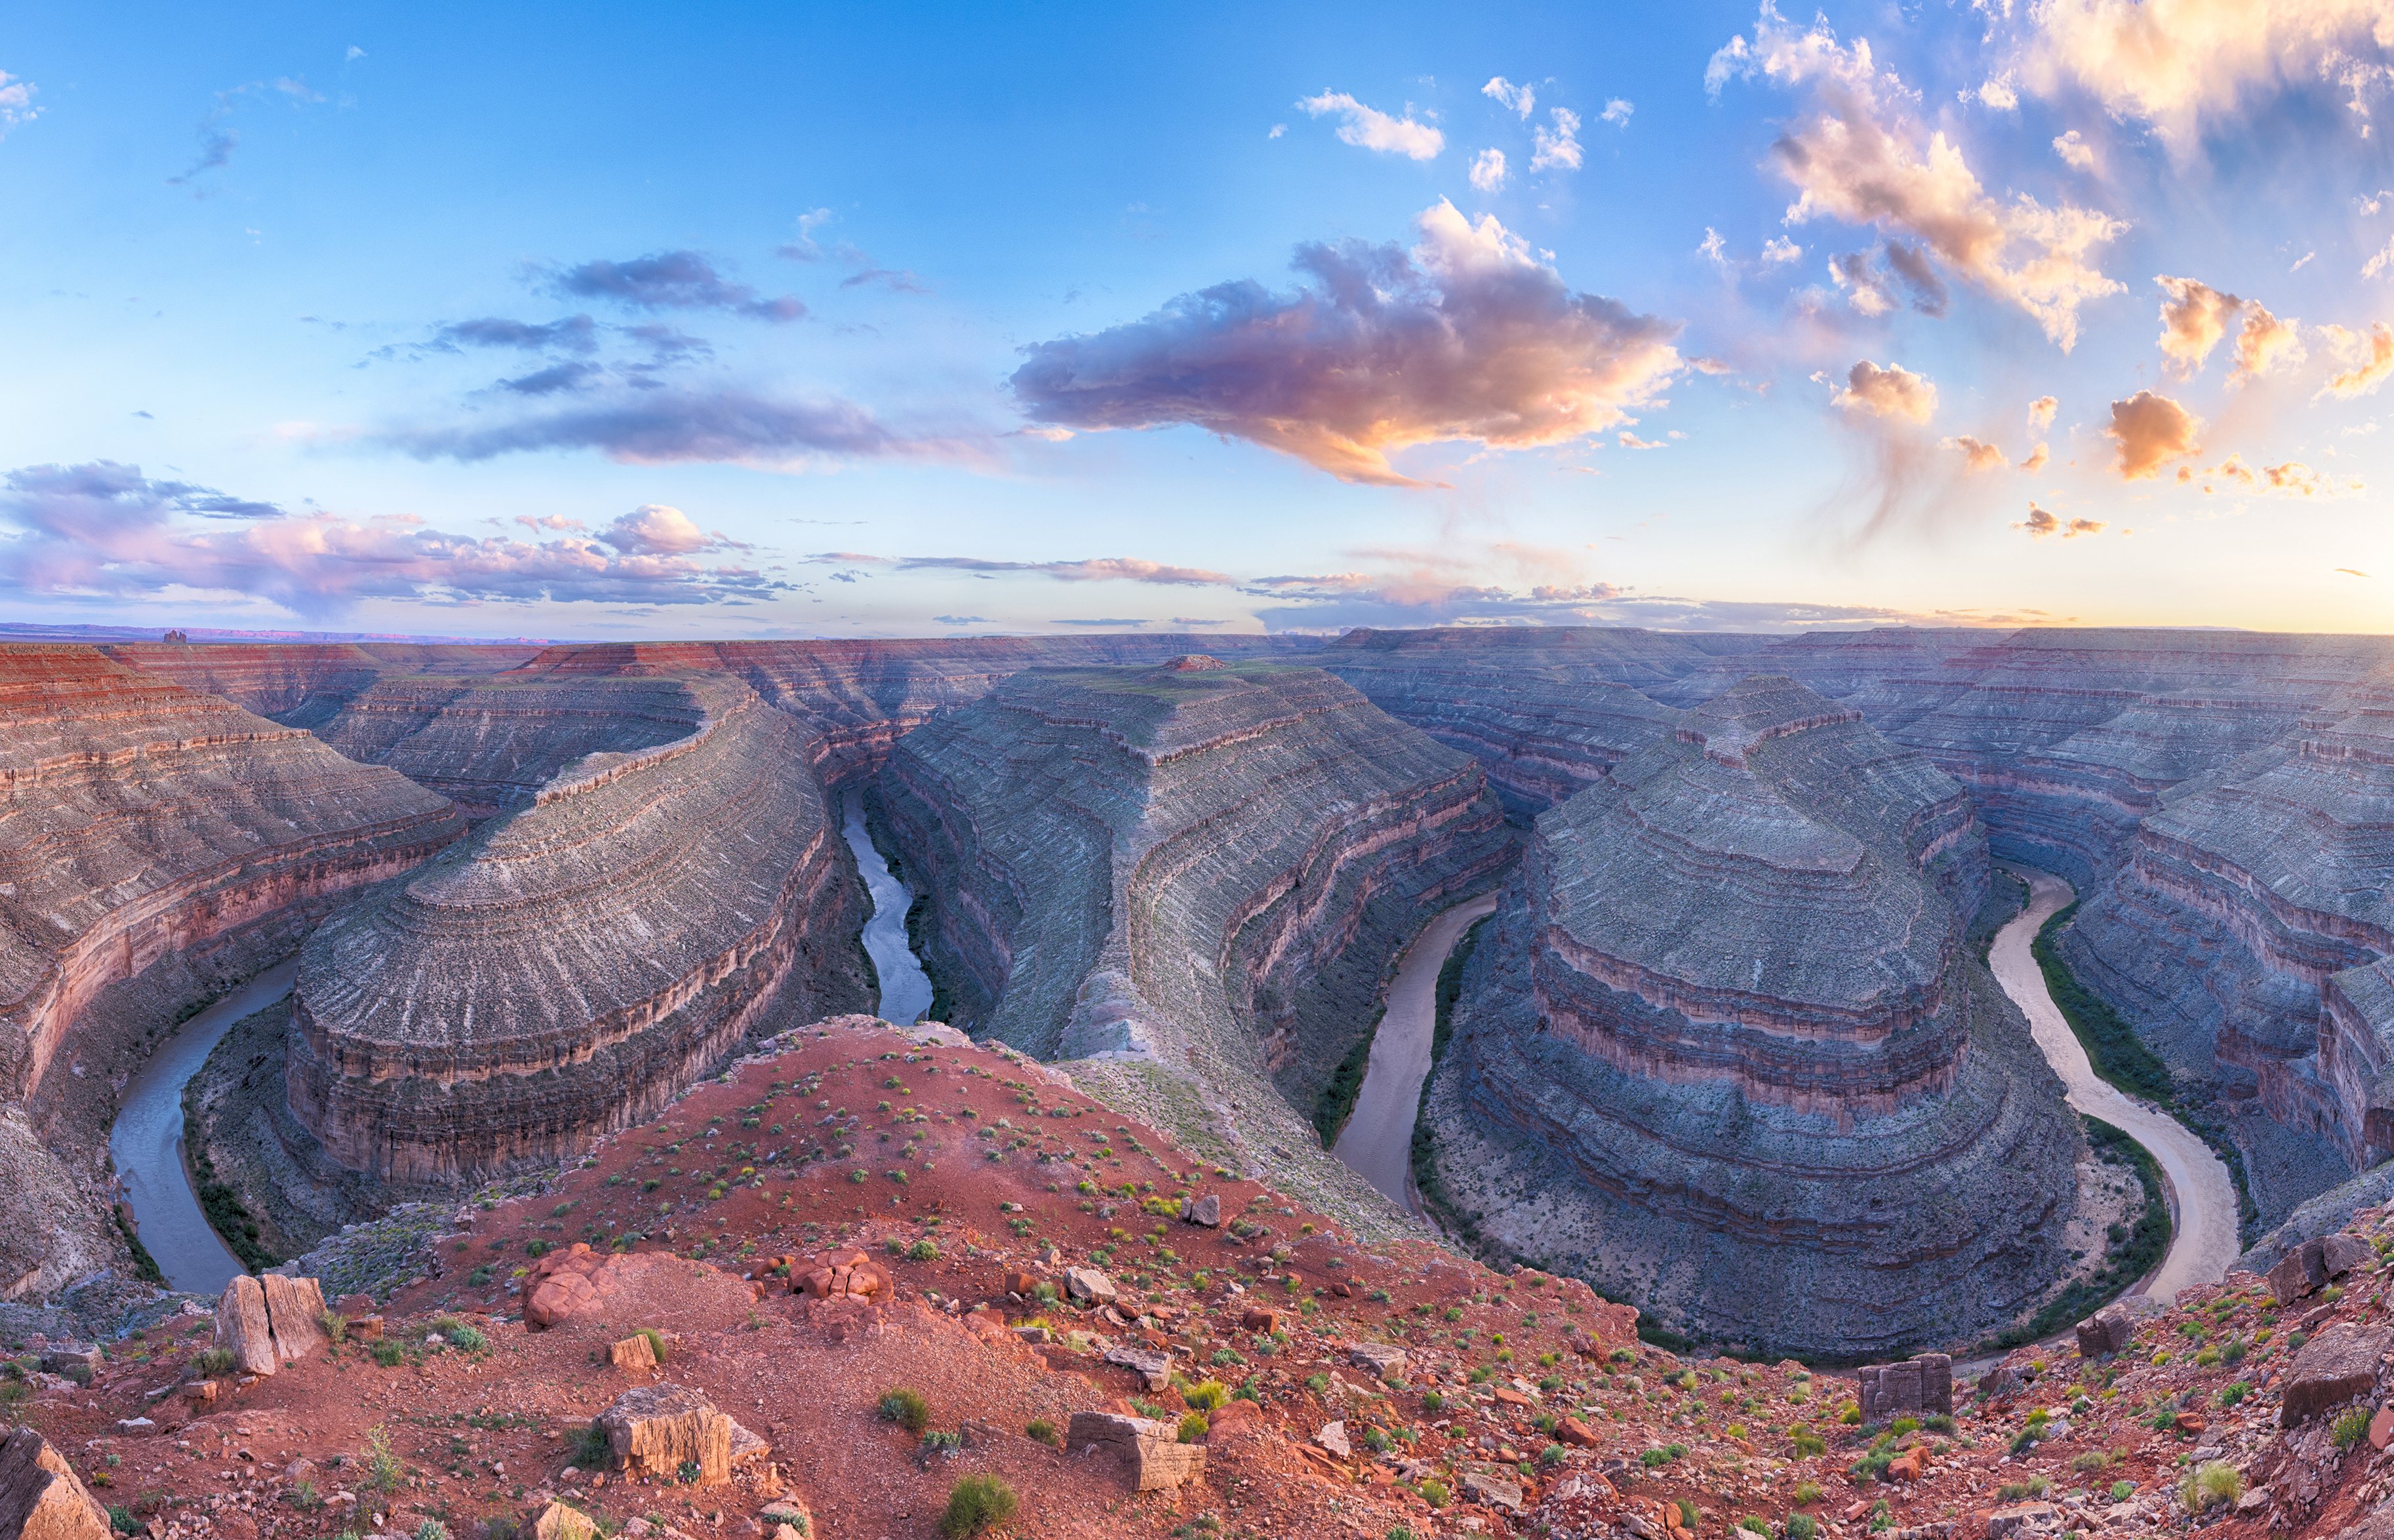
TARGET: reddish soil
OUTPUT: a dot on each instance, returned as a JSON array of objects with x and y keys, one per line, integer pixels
[{"x": 486, "y": 1434}]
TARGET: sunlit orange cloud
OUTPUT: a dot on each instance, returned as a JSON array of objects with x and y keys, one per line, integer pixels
[{"x": 2150, "y": 430}]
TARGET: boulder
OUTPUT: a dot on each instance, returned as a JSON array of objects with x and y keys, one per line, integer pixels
[
  {"x": 242, "y": 1326},
  {"x": 1384, "y": 1362},
  {"x": 1090, "y": 1284},
  {"x": 1153, "y": 1451},
  {"x": 1333, "y": 1438},
  {"x": 2020, "y": 1519},
  {"x": 1207, "y": 1210},
  {"x": 2109, "y": 1330},
  {"x": 1577, "y": 1434},
  {"x": 40, "y": 1498},
  {"x": 1154, "y": 1369},
  {"x": 634, "y": 1353},
  {"x": 362, "y": 1328},
  {"x": 2302, "y": 1270},
  {"x": 558, "y": 1522},
  {"x": 295, "y": 1313},
  {"x": 656, "y": 1430},
  {"x": 849, "y": 1274},
  {"x": 1497, "y": 1492},
  {"x": 74, "y": 1360},
  {"x": 2381, "y": 1427},
  {"x": 1259, "y": 1320},
  {"x": 787, "y": 1516},
  {"x": 2339, "y": 1363},
  {"x": 2340, "y": 1253}
]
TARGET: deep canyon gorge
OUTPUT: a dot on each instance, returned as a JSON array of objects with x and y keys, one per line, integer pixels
[{"x": 1729, "y": 1048}]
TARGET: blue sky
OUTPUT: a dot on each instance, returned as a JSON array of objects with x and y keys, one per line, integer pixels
[{"x": 860, "y": 320}]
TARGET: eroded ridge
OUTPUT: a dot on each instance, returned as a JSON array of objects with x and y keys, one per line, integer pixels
[
  {"x": 1201, "y": 867},
  {"x": 582, "y": 959},
  {"x": 1730, "y": 1003},
  {"x": 2274, "y": 871},
  {"x": 144, "y": 821}
]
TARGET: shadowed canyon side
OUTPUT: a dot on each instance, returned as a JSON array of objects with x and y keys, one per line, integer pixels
[
  {"x": 157, "y": 845},
  {"x": 1729, "y": 1031},
  {"x": 1199, "y": 869},
  {"x": 583, "y": 959}
]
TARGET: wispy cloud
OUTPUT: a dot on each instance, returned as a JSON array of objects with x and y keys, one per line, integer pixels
[
  {"x": 1369, "y": 128},
  {"x": 672, "y": 281},
  {"x": 1468, "y": 337},
  {"x": 2041, "y": 522},
  {"x": 1094, "y": 570},
  {"x": 1520, "y": 98},
  {"x": 16, "y": 101},
  {"x": 666, "y": 425},
  {"x": 1557, "y": 150},
  {"x": 105, "y": 529},
  {"x": 1858, "y": 153}
]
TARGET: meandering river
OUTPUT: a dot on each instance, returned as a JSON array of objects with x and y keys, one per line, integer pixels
[
  {"x": 2203, "y": 1199},
  {"x": 905, "y": 988},
  {"x": 1378, "y": 1140},
  {"x": 148, "y": 1140}
]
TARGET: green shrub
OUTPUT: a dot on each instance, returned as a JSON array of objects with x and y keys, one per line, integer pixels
[
  {"x": 1043, "y": 1431},
  {"x": 1207, "y": 1395},
  {"x": 214, "y": 1362},
  {"x": 337, "y": 1325},
  {"x": 590, "y": 1446},
  {"x": 2350, "y": 1428},
  {"x": 1850, "y": 1414},
  {"x": 656, "y": 1341},
  {"x": 1801, "y": 1526},
  {"x": 1434, "y": 1493},
  {"x": 387, "y": 1354},
  {"x": 908, "y": 1410},
  {"x": 383, "y": 1471},
  {"x": 1807, "y": 1493},
  {"x": 2122, "y": 1491},
  {"x": 1192, "y": 1427},
  {"x": 1756, "y": 1523},
  {"x": 2216, "y": 1482},
  {"x": 1551, "y": 1454},
  {"x": 460, "y": 1335},
  {"x": 976, "y": 1504},
  {"x": 923, "y": 1251}
]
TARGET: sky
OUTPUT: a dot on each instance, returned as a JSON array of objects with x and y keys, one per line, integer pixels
[{"x": 799, "y": 321}]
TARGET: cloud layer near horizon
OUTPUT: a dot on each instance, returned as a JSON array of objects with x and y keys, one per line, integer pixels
[
  {"x": 1466, "y": 337},
  {"x": 103, "y": 529}
]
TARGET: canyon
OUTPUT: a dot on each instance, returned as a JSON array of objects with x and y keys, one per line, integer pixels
[{"x": 539, "y": 891}]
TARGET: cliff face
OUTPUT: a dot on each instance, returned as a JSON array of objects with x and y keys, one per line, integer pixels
[
  {"x": 303, "y": 684},
  {"x": 145, "y": 821},
  {"x": 1729, "y": 1004},
  {"x": 861, "y": 696},
  {"x": 491, "y": 746},
  {"x": 2248, "y": 930},
  {"x": 1206, "y": 869},
  {"x": 585, "y": 958}
]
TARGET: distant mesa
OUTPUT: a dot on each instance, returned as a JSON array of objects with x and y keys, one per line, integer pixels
[
  {"x": 1727, "y": 994},
  {"x": 1194, "y": 663}
]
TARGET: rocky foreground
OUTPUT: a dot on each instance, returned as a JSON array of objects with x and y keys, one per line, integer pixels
[{"x": 880, "y": 1263}]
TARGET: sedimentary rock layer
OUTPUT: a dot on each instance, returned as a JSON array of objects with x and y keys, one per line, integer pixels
[
  {"x": 143, "y": 821},
  {"x": 859, "y": 696},
  {"x": 2249, "y": 932},
  {"x": 303, "y": 684},
  {"x": 491, "y": 746},
  {"x": 582, "y": 959},
  {"x": 1200, "y": 866},
  {"x": 1728, "y": 996}
]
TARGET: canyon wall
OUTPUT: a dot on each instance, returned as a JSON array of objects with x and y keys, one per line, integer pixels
[
  {"x": 1203, "y": 868},
  {"x": 147, "y": 824},
  {"x": 303, "y": 684},
  {"x": 1728, "y": 1008},
  {"x": 579, "y": 961}
]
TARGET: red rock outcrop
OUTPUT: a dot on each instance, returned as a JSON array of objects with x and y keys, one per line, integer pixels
[
  {"x": 144, "y": 820},
  {"x": 583, "y": 959}
]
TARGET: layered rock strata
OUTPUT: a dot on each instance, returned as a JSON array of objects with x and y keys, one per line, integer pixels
[
  {"x": 582, "y": 959},
  {"x": 1729, "y": 1004},
  {"x": 304, "y": 684},
  {"x": 145, "y": 824},
  {"x": 861, "y": 696},
  {"x": 491, "y": 745},
  {"x": 2249, "y": 933},
  {"x": 1204, "y": 867}
]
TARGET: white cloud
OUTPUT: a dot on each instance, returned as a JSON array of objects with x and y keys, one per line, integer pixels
[
  {"x": 1617, "y": 110},
  {"x": 1559, "y": 148},
  {"x": 16, "y": 101},
  {"x": 1893, "y": 391},
  {"x": 1521, "y": 98},
  {"x": 1488, "y": 170},
  {"x": 2040, "y": 411},
  {"x": 1369, "y": 128},
  {"x": 1860, "y": 155},
  {"x": 1999, "y": 93},
  {"x": 2176, "y": 63},
  {"x": 2372, "y": 357},
  {"x": 2379, "y": 263},
  {"x": 1779, "y": 250},
  {"x": 1713, "y": 248},
  {"x": 1277, "y": 130},
  {"x": 2075, "y": 151}
]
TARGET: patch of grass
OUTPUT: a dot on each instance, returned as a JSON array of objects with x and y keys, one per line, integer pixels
[
  {"x": 213, "y": 1362},
  {"x": 387, "y": 1354},
  {"x": 2350, "y": 1428},
  {"x": 656, "y": 1341},
  {"x": 1043, "y": 1431},
  {"x": 2214, "y": 1483},
  {"x": 1807, "y": 1493},
  {"x": 383, "y": 1471},
  {"x": 976, "y": 1505},
  {"x": 906, "y": 1408}
]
